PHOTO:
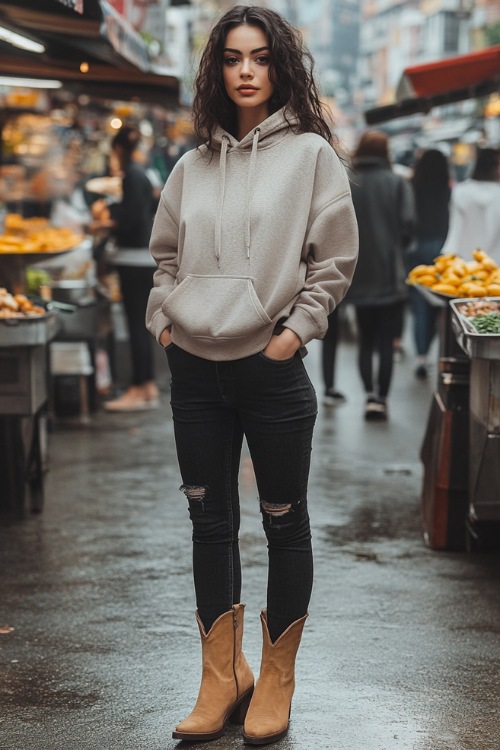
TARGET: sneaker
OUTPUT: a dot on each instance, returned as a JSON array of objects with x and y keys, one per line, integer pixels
[
  {"x": 398, "y": 354},
  {"x": 375, "y": 410},
  {"x": 133, "y": 399},
  {"x": 151, "y": 394},
  {"x": 333, "y": 398}
]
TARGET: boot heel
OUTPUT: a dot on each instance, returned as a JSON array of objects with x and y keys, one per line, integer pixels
[{"x": 240, "y": 711}]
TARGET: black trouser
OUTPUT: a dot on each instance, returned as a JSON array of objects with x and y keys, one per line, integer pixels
[
  {"x": 135, "y": 285},
  {"x": 377, "y": 329},
  {"x": 329, "y": 349},
  {"x": 272, "y": 404}
]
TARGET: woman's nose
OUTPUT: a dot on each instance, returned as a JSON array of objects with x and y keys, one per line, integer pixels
[{"x": 246, "y": 69}]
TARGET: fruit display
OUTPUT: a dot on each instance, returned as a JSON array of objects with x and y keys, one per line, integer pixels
[
  {"x": 18, "y": 306},
  {"x": 452, "y": 276},
  {"x": 35, "y": 236}
]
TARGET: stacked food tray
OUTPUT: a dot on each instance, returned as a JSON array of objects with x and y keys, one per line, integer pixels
[{"x": 476, "y": 324}]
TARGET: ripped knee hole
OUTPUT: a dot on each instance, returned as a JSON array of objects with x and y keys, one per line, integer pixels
[
  {"x": 275, "y": 509},
  {"x": 194, "y": 491}
]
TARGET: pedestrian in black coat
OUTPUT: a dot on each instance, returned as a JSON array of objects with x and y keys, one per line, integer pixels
[{"x": 385, "y": 211}]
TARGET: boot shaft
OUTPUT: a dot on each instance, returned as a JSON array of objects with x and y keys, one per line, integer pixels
[
  {"x": 284, "y": 649},
  {"x": 268, "y": 716}
]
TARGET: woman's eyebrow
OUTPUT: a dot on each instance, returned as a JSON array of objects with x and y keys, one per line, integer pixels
[{"x": 239, "y": 52}]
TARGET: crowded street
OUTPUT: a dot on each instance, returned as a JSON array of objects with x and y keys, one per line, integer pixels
[{"x": 401, "y": 648}]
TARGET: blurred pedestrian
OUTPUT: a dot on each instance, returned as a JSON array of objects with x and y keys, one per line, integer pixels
[
  {"x": 256, "y": 241},
  {"x": 474, "y": 209},
  {"x": 130, "y": 221},
  {"x": 329, "y": 344},
  {"x": 385, "y": 212},
  {"x": 431, "y": 185}
]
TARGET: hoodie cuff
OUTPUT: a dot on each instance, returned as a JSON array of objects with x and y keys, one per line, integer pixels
[
  {"x": 157, "y": 324},
  {"x": 301, "y": 323}
]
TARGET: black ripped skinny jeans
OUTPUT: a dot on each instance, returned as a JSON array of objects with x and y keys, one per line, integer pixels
[{"x": 272, "y": 404}]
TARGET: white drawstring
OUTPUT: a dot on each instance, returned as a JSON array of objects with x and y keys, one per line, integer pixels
[
  {"x": 251, "y": 170},
  {"x": 222, "y": 189}
]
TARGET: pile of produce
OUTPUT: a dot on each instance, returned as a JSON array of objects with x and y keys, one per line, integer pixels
[
  {"x": 483, "y": 315},
  {"x": 18, "y": 306},
  {"x": 453, "y": 276},
  {"x": 35, "y": 236}
]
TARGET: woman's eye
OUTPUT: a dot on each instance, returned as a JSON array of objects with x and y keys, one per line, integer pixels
[
  {"x": 230, "y": 60},
  {"x": 262, "y": 60}
]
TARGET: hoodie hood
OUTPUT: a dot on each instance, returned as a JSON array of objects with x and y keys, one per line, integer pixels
[
  {"x": 271, "y": 130},
  {"x": 265, "y": 135}
]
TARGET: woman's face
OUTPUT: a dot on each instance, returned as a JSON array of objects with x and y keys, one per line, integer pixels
[{"x": 246, "y": 66}]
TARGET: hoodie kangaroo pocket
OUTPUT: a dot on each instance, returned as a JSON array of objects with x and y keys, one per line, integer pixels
[{"x": 222, "y": 307}]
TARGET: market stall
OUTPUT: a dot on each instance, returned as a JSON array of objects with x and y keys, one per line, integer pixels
[
  {"x": 476, "y": 324},
  {"x": 28, "y": 327},
  {"x": 73, "y": 71},
  {"x": 26, "y": 331},
  {"x": 461, "y": 447}
]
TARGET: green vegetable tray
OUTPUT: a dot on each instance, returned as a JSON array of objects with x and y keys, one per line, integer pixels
[{"x": 476, "y": 345}]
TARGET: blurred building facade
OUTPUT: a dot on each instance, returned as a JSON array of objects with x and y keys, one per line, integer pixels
[
  {"x": 395, "y": 35},
  {"x": 331, "y": 30}
]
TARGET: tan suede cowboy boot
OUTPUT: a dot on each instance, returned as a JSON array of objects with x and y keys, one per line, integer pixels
[
  {"x": 269, "y": 712},
  {"x": 226, "y": 683}
]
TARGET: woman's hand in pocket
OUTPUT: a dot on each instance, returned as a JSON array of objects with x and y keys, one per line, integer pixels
[
  {"x": 283, "y": 346},
  {"x": 165, "y": 338}
]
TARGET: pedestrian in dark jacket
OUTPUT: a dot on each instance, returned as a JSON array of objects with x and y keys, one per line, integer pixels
[
  {"x": 130, "y": 222},
  {"x": 385, "y": 211},
  {"x": 431, "y": 185}
]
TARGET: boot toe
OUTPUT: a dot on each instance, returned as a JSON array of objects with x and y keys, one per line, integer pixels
[
  {"x": 198, "y": 728},
  {"x": 264, "y": 726}
]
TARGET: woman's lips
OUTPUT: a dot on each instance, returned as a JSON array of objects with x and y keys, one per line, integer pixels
[{"x": 247, "y": 89}]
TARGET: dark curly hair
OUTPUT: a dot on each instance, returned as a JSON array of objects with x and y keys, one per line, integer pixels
[{"x": 291, "y": 72}]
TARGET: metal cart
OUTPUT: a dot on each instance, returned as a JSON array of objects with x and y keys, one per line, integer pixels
[
  {"x": 23, "y": 399},
  {"x": 483, "y": 350},
  {"x": 445, "y": 447},
  {"x": 460, "y": 504}
]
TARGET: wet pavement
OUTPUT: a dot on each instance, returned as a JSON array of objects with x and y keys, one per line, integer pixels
[{"x": 402, "y": 647}]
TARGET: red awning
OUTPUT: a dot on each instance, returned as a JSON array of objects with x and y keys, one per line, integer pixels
[
  {"x": 454, "y": 79},
  {"x": 448, "y": 75}
]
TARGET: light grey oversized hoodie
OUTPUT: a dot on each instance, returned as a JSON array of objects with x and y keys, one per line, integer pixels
[{"x": 261, "y": 233}]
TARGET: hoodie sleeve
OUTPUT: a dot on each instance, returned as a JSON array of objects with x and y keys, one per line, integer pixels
[
  {"x": 164, "y": 249},
  {"x": 332, "y": 251}
]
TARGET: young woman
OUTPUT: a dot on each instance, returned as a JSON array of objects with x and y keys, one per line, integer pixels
[
  {"x": 256, "y": 241},
  {"x": 386, "y": 215}
]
